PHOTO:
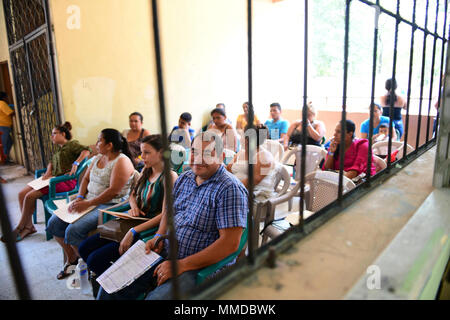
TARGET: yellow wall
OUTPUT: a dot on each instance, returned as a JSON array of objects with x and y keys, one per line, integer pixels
[{"x": 106, "y": 68}]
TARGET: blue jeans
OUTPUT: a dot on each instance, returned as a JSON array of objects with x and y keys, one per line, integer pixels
[
  {"x": 6, "y": 139},
  {"x": 146, "y": 283},
  {"x": 75, "y": 233},
  {"x": 398, "y": 124}
]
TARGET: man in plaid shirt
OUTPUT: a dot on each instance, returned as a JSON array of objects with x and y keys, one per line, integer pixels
[{"x": 210, "y": 212}]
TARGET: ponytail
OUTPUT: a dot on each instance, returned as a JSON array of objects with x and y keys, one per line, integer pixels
[
  {"x": 126, "y": 148},
  {"x": 119, "y": 143}
]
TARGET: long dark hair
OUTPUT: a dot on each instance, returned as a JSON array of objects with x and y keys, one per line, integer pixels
[
  {"x": 154, "y": 140},
  {"x": 349, "y": 127},
  {"x": 65, "y": 127},
  {"x": 120, "y": 144},
  {"x": 390, "y": 86}
]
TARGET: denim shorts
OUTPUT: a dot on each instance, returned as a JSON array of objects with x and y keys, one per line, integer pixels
[{"x": 77, "y": 232}]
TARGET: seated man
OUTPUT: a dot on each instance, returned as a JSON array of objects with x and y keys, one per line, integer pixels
[
  {"x": 278, "y": 127},
  {"x": 182, "y": 133},
  {"x": 210, "y": 212}
]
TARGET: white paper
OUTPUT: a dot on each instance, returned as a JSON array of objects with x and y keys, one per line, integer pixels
[
  {"x": 63, "y": 213},
  {"x": 38, "y": 184},
  {"x": 123, "y": 215},
  {"x": 130, "y": 266}
]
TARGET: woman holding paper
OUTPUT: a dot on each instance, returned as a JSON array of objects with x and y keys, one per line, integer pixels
[
  {"x": 107, "y": 181},
  {"x": 65, "y": 161},
  {"x": 146, "y": 200}
]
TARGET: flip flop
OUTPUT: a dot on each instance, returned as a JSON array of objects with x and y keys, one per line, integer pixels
[
  {"x": 15, "y": 233},
  {"x": 21, "y": 237},
  {"x": 63, "y": 273}
]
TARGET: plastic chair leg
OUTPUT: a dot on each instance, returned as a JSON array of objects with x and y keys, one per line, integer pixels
[{"x": 47, "y": 217}]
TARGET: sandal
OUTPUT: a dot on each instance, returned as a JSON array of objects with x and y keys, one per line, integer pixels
[
  {"x": 15, "y": 233},
  {"x": 64, "y": 272},
  {"x": 25, "y": 232}
]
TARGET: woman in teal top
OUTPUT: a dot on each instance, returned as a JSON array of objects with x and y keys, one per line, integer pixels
[{"x": 146, "y": 200}]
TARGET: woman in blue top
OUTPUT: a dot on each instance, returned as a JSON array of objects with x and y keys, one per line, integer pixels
[
  {"x": 146, "y": 200},
  {"x": 399, "y": 103},
  {"x": 378, "y": 120}
]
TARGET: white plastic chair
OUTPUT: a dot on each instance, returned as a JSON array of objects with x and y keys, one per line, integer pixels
[
  {"x": 281, "y": 185},
  {"x": 381, "y": 148},
  {"x": 323, "y": 188},
  {"x": 275, "y": 148},
  {"x": 314, "y": 155},
  {"x": 380, "y": 164}
]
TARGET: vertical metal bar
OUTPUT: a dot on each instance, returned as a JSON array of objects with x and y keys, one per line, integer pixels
[
  {"x": 344, "y": 104},
  {"x": 442, "y": 67},
  {"x": 251, "y": 246},
  {"x": 432, "y": 72},
  {"x": 304, "y": 120},
  {"x": 392, "y": 94},
  {"x": 51, "y": 61},
  {"x": 372, "y": 95},
  {"x": 35, "y": 106},
  {"x": 424, "y": 53},
  {"x": 408, "y": 98},
  {"x": 14, "y": 258},
  {"x": 173, "y": 252},
  {"x": 19, "y": 101}
]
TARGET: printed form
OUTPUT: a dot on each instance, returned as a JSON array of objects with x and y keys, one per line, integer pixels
[{"x": 130, "y": 266}]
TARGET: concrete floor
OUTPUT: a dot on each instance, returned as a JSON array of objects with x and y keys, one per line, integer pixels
[{"x": 41, "y": 259}]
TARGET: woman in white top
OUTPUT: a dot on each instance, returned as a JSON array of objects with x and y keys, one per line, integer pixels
[
  {"x": 263, "y": 161},
  {"x": 107, "y": 181}
]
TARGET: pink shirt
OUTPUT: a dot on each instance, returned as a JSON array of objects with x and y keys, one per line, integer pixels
[{"x": 356, "y": 157}]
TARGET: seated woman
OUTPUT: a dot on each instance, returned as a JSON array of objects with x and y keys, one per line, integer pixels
[
  {"x": 223, "y": 129},
  {"x": 264, "y": 172},
  {"x": 242, "y": 119},
  {"x": 399, "y": 104},
  {"x": 107, "y": 181},
  {"x": 315, "y": 130},
  {"x": 134, "y": 136},
  {"x": 146, "y": 199},
  {"x": 355, "y": 160},
  {"x": 65, "y": 161},
  {"x": 379, "y": 121}
]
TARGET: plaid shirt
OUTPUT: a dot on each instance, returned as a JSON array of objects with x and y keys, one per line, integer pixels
[{"x": 200, "y": 211}]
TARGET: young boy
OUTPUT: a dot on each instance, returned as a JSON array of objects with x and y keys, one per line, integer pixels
[{"x": 182, "y": 133}]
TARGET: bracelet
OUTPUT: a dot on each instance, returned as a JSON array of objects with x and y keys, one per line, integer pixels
[
  {"x": 134, "y": 232},
  {"x": 330, "y": 153},
  {"x": 158, "y": 235},
  {"x": 80, "y": 196},
  {"x": 76, "y": 163}
]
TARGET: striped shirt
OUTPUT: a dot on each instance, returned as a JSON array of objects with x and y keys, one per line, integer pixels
[{"x": 200, "y": 211}]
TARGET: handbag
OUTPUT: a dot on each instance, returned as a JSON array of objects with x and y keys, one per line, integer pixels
[{"x": 116, "y": 229}]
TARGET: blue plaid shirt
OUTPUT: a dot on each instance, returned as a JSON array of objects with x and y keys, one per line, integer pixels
[{"x": 200, "y": 211}]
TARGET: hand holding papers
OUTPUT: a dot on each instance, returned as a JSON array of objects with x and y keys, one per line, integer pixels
[
  {"x": 130, "y": 266},
  {"x": 123, "y": 215},
  {"x": 63, "y": 211},
  {"x": 38, "y": 184}
]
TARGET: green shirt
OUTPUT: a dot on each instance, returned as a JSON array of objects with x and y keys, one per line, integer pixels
[{"x": 63, "y": 159}]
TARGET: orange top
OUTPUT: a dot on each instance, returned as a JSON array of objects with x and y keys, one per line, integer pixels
[{"x": 5, "y": 114}]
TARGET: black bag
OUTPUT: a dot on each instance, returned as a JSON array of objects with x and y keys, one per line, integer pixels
[{"x": 116, "y": 229}]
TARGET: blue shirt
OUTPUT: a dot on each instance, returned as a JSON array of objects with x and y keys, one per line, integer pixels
[
  {"x": 365, "y": 125},
  {"x": 200, "y": 211},
  {"x": 180, "y": 137},
  {"x": 277, "y": 128}
]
